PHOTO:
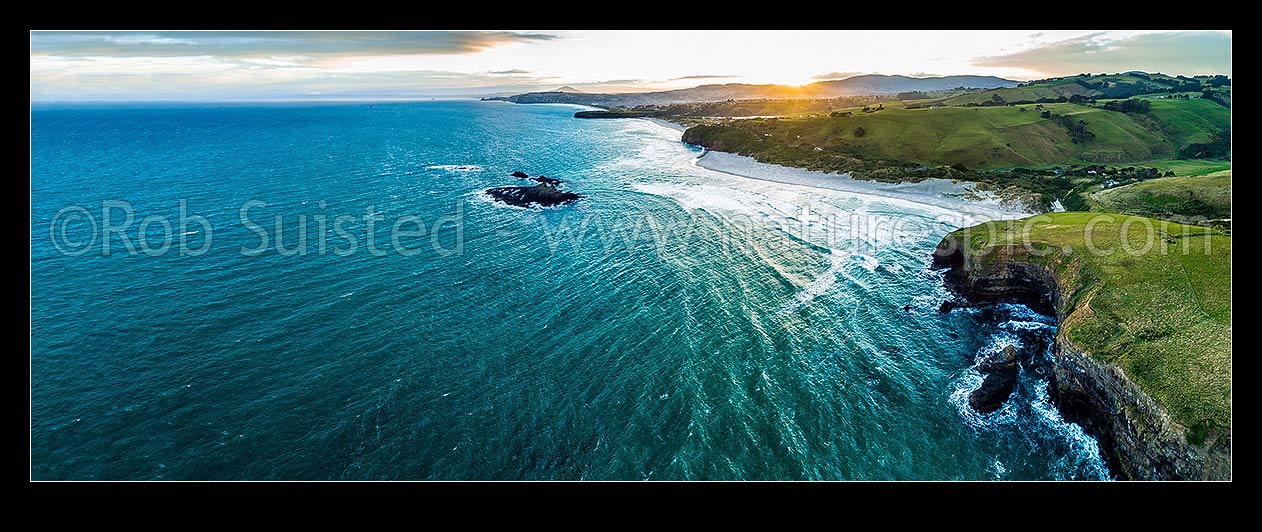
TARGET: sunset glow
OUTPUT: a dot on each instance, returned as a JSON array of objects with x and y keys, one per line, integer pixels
[{"x": 214, "y": 64}]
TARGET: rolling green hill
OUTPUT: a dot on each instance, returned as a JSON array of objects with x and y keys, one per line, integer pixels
[
  {"x": 975, "y": 137},
  {"x": 1027, "y": 93},
  {"x": 1095, "y": 86},
  {"x": 1190, "y": 121},
  {"x": 1171, "y": 198}
]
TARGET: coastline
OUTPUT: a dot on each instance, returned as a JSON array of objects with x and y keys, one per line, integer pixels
[
  {"x": 950, "y": 197},
  {"x": 1144, "y": 431},
  {"x": 666, "y": 124}
]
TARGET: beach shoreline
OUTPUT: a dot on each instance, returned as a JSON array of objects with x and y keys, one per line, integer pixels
[
  {"x": 667, "y": 124},
  {"x": 956, "y": 197}
]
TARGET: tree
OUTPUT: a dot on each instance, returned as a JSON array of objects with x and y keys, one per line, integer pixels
[
  {"x": 1131, "y": 105},
  {"x": 859, "y": 132},
  {"x": 996, "y": 98},
  {"x": 1219, "y": 147}
]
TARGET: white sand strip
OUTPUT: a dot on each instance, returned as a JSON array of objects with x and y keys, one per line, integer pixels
[
  {"x": 930, "y": 192},
  {"x": 667, "y": 124}
]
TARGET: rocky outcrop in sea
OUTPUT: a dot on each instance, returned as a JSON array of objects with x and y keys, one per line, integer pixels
[
  {"x": 1000, "y": 369},
  {"x": 545, "y": 194}
]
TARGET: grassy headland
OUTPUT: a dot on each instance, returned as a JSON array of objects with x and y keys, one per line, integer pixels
[{"x": 1158, "y": 308}]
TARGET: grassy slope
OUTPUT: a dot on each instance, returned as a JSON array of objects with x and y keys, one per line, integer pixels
[
  {"x": 1208, "y": 196},
  {"x": 1191, "y": 167},
  {"x": 992, "y": 137},
  {"x": 1014, "y": 94},
  {"x": 1051, "y": 89},
  {"x": 1190, "y": 121},
  {"x": 745, "y": 108},
  {"x": 1163, "y": 316}
]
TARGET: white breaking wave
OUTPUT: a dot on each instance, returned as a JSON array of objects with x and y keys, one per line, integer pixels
[
  {"x": 1085, "y": 446},
  {"x": 971, "y": 380},
  {"x": 456, "y": 167},
  {"x": 709, "y": 198},
  {"x": 837, "y": 260},
  {"x": 940, "y": 196},
  {"x": 868, "y": 262},
  {"x": 1000, "y": 470},
  {"x": 1014, "y": 325},
  {"x": 1032, "y": 391},
  {"x": 964, "y": 385}
]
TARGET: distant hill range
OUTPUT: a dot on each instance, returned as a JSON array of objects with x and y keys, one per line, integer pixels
[
  {"x": 852, "y": 86},
  {"x": 1088, "y": 86}
]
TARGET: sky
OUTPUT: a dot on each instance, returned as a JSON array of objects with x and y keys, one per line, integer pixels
[{"x": 213, "y": 65}]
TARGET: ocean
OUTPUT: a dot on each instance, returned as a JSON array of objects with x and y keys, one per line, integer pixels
[{"x": 321, "y": 291}]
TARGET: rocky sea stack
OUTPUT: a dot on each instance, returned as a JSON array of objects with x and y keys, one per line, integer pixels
[
  {"x": 1000, "y": 370},
  {"x": 545, "y": 194}
]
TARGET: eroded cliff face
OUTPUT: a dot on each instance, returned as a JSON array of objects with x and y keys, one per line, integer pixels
[
  {"x": 999, "y": 278},
  {"x": 1135, "y": 433}
]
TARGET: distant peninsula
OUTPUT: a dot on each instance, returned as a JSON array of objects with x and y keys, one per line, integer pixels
[{"x": 853, "y": 86}]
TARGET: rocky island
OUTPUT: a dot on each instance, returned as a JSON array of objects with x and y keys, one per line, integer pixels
[
  {"x": 545, "y": 194},
  {"x": 1142, "y": 355}
]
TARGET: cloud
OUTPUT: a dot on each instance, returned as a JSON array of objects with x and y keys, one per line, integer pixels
[
  {"x": 144, "y": 39},
  {"x": 614, "y": 82},
  {"x": 203, "y": 77},
  {"x": 620, "y": 85},
  {"x": 837, "y": 75},
  {"x": 198, "y": 65},
  {"x": 1186, "y": 52},
  {"x": 272, "y": 43},
  {"x": 703, "y": 76}
]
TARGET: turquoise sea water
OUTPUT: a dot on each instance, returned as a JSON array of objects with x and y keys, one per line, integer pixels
[{"x": 676, "y": 323}]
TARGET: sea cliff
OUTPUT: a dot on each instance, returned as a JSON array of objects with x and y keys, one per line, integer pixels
[{"x": 1110, "y": 374}]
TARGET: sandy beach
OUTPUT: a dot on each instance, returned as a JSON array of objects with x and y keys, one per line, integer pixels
[
  {"x": 940, "y": 193},
  {"x": 667, "y": 124}
]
